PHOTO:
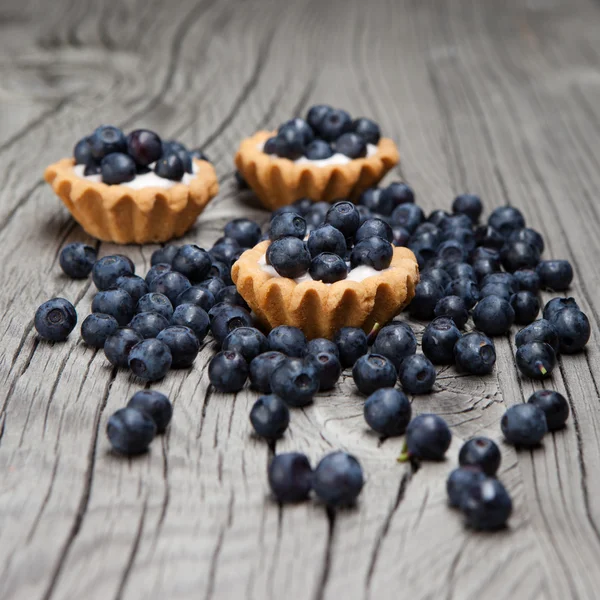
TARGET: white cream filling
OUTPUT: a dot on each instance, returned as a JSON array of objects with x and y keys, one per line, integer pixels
[
  {"x": 336, "y": 159},
  {"x": 144, "y": 180},
  {"x": 357, "y": 274}
]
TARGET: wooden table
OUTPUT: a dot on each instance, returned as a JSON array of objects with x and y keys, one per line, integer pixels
[{"x": 498, "y": 98}]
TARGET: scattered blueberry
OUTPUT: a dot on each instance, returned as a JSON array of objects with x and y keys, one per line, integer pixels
[
  {"x": 296, "y": 380},
  {"x": 480, "y": 452},
  {"x": 318, "y": 345},
  {"x": 407, "y": 215},
  {"x": 493, "y": 315},
  {"x": 528, "y": 280},
  {"x": 468, "y": 204},
  {"x": 460, "y": 270},
  {"x": 427, "y": 295},
  {"x": 192, "y": 316},
  {"x": 439, "y": 339},
  {"x": 427, "y": 438},
  {"x": 452, "y": 251},
  {"x": 526, "y": 306},
  {"x": 157, "y": 303},
  {"x": 170, "y": 284},
  {"x": 475, "y": 353},
  {"x": 459, "y": 482},
  {"x": 246, "y": 232},
  {"x": 261, "y": 369},
  {"x": 290, "y": 477},
  {"x": 555, "y": 275},
  {"x": 397, "y": 193},
  {"x": 119, "y": 344},
  {"x": 134, "y": 285},
  {"x": 524, "y": 425},
  {"x": 352, "y": 344},
  {"x": 395, "y": 341},
  {"x": 328, "y": 368},
  {"x": 248, "y": 341},
  {"x": 500, "y": 290},
  {"x": 506, "y": 219},
  {"x": 115, "y": 302},
  {"x": 465, "y": 289},
  {"x": 193, "y": 262},
  {"x": 183, "y": 344},
  {"x": 505, "y": 279},
  {"x": 287, "y": 340},
  {"x": 486, "y": 505},
  {"x": 230, "y": 295},
  {"x": 150, "y": 359},
  {"x": 387, "y": 411},
  {"x": 200, "y": 296},
  {"x": 108, "y": 269},
  {"x": 519, "y": 255},
  {"x": 270, "y": 417},
  {"x": 539, "y": 331},
  {"x": 77, "y": 260},
  {"x": 437, "y": 275},
  {"x": 96, "y": 328},
  {"x": 573, "y": 328},
  {"x": 417, "y": 374},
  {"x": 536, "y": 359},
  {"x": 213, "y": 284},
  {"x": 130, "y": 431},
  {"x": 226, "y": 319},
  {"x": 148, "y": 324},
  {"x": 55, "y": 319},
  {"x": 289, "y": 256},
  {"x": 372, "y": 372},
  {"x": 338, "y": 479},
  {"x": 228, "y": 371},
  {"x": 454, "y": 308},
  {"x": 554, "y": 405},
  {"x": 155, "y": 271},
  {"x": 557, "y": 304},
  {"x": 156, "y": 405}
]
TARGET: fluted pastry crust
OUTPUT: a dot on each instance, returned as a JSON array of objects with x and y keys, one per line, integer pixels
[
  {"x": 321, "y": 309},
  {"x": 120, "y": 214},
  {"x": 278, "y": 181}
]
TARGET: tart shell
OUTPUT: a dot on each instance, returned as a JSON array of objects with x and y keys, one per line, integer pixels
[
  {"x": 321, "y": 309},
  {"x": 278, "y": 181},
  {"x": 117, "y": 213}
]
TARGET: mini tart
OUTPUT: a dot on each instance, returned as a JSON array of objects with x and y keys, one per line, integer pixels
[
  {"x": 321, "y": 309},
  {"x": 117, "y": 213},
  {"x": 279, "y": 181}
]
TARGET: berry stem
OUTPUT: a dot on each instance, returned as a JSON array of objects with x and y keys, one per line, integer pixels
[
  {"x": 373, "y": 333},
  {"x": 404, "y": 455}
]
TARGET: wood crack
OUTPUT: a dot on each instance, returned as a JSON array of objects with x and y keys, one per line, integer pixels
[{"x": 323, "y": 580}]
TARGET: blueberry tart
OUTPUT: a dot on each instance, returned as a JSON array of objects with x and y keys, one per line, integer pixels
[
  {"x": 133, "y": 188},
  {"x": 285, "y": 284},
  {"x": 324, "y": 157}
]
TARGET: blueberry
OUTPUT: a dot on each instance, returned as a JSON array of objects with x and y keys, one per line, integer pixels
[
  {"x": 439, "y": 339},
  {"x": 212, "y": 284},
  {"x": 338, "y": 479},
  {"x": 117, "y": 168},
  {"x": 556, "y": 305},
  {"x": 343, "y": 216},
  {"x": 248, "y": 341},
  {"x": 401, "y": 235},
  {"x": 454, "y": 308},
  {"x": 465, "y": 289},
  {"x": 407, "y": 215},
  {"x": 372, "y": 372},
  {"x": 351, "y": 145},
  {"x": 485, "y": 253},
  {"x": 192, "y": 316},
  {"x": 519, "y": 255},
  {"x": 486, "y": 505},
  {"x": 224, "y": 318},
  {"x": 328, "y": 368},
  {"x": 427, "y": 295},
  {"x": 197, "y": 295},
  {"x": 107, "y": 270},
  {"x": 475, "y": 353},
  {"x": 459, "y": 482},
  {"x": 317, "y": 113},
  {"x": 287, "y": 224},
  {"x": 318, "y": 150},
  {"x": 452, "y": 251},
  {"x": 528, "y": 235},
  {"x": 92, "y": 168},
  {"x": 287, "y": 340},
  {"x": 326, "y": 239},
  {"x": 144, "y": 146},
  {"x": 417, "y": 374},
  {"x": 427, "y": 437},
  {"x": 55, "y": 319},
  {"x": 150, "y": 359},
  {"x": 246, "y": 232},
  {"x": 219, "y": 272},
  {"x": 270, "y": 417},
  {"x": 397, "y": 193},
  {"x": 322, "y": 345},
  {"x": 228, "y": 371},
  {"x": 352, "y": 344},
  {"x": 333, "y": 124},
  {"x": 115, "y": 302},
  {"x": 170, "y": 166},
  {"x": 301, "y": 206},
  {"x": 526, "y": 306},
  {"x": 387, "y": 411},
  {"x": 148, "y": 324},
  {"x": 374, "y": 227},
  {"x": 198, "y": 154},
  {"x": 261, "y": 369},
  {"x": 230, "y": 295},
  {"x": 573, "y": 328},
  {"x": 183, "y": 344},
  {"x": 106, "y": 140},
  {"x": 156, "y": 405},
  {"x": 173, "y": 146},
  {"x": 488, "y": 237},
  {"x": 296, "y": 380},
  {"x": 82, "y": 152},
  {"x": 375, "y": 201},
  {"x": 157, "y": 303},
  {"x": 96, "y": 328},
  {"x": 367, "y": 129},
  {"x": 524, "y": 425},
  {"x": 118, "y": 346},
  {"x": 461, "y": 270},
  {"x": 270, "y": 146},
  {"x": 468, "y": 204},
  {"x": 437, "y": 275},
  {"x": 290, "y": 477},
  {"x": 193, "y": 262},
  {"x": 456, "y": 222},
  {"x": 528, "y": 280},
  {"x": 289, "y": 143},
  {"x": 328, "y": 268},
  {"x": 438, "y": 217},
  {"x": 506, "y": 279},
  {"x": 77, "y": 260},
  {"x": 463, "y": 236},
  {"x": 493, "y": 315},
  {"x": 156, "y": 270},
  {"x": 555, "y": 275},
  {"x": 225, "y": 251},
  {"x": 135, "y": 286},
  {"x": 317, "y": 213},
  {"x": 506, "y": 219},
  {"x": 554, "y": 405},
  {"x": 484, "y": 267},
  {"x": 480, "y": 452},
  {"x": 395, "y": 341},
  {"x": 289, "y": 256},
  {"x": 130, "y": 431},
  {"x": 170, "y": 284},
  {"x": 539, "y": 331}
]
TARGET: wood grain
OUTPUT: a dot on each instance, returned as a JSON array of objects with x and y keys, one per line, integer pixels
[{"x": 501, "y": 99}]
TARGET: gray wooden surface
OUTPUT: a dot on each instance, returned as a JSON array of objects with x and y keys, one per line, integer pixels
[{"x": 499, "y": 98}]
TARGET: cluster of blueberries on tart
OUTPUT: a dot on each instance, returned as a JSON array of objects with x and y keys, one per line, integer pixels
[
  {"x": 140, "y": 158},
  {"x": 327, "y": 133}
]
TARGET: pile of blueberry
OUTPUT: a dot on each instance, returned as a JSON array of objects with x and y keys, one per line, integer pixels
[
  {"x": 325, "y": 132},
  {"x": 337, "y": 243},
  {"x": 118, "y": 158}
]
